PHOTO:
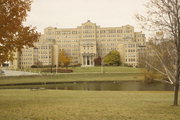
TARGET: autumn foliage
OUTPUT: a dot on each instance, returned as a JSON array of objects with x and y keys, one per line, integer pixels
[
  {"x": 98, "y": 61},
  {"x": 112, "y": 58},
  {"x": 13, "y": 34},
  {"x": 64, "y": 60}
]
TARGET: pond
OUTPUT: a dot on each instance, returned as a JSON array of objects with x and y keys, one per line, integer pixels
[{"x": 96, "y": 86}]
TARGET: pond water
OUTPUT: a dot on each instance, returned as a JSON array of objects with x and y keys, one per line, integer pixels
[
  {"x": 97, "y": 86},
  {"x": 113, "y": 86}
]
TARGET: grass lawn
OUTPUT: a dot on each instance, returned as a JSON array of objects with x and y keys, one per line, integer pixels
[
  {"x": 73, "y": 77},
  {"x": 86, "y": 105},
  {"x": 94, "y": 69},
  {"x": 107, "y": 69}
]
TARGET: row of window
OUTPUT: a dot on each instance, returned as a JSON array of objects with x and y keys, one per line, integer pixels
[
  {"x": 73, "y": 54},
  {"x": 92, "y": 31},
  {"x": 132, "y": 64},
  {"x": 42, "y": 57},
  {"x": 43, "y": 52},
  {"x": 88, "y": 27},
  {"x": 130, "y": 50},
  {"x": 27, "y": 50},
  {"x": 92, "y": 36},
  {"x": 44, "y": 47},
  {"x": 69, "y": 36},
  {"x": 131, "y": 45},
  {"x": 26, "y": 58},
  {"x": 125, "y": 36},
  {"x": 139, "y": 35},
  {"x": 106, "y": 45},
  {"x": 64, "y": 32},
  {"x": 25, "y": 63},
  {"x": 107, "y": 40},
  {"x": 108, "y": 49},
  {"x": 88, "y": 31},
  {"x": 88, "y": 47},
  {"x": 131, "y": 55},
  {"x": 67, "y": 41},
  {"x": 26, "y": 54},
  {"x": 85, "y": 36},
  {"x": 115, "y": 31},
  {"x": 131, "y": 60}
]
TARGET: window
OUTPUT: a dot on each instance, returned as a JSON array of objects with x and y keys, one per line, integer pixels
[
  {"x": 102, "y": 31},
  {"x": 119, "y": 31}
]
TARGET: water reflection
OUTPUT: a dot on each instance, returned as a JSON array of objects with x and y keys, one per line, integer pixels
[
  {"x": 97, "y": 86},
  {"x": 112, "y": 86}
]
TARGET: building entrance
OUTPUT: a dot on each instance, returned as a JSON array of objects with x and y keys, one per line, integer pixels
[{"x": 88, "y": 60}]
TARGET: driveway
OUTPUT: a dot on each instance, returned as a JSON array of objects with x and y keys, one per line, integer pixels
[{"x": 17, "y": 73}]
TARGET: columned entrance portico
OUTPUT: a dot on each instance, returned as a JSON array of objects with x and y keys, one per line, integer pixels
[{"x": 88, "y": 59}]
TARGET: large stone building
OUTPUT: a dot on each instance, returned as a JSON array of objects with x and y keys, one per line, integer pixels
[{"x": 83, "y": 44}]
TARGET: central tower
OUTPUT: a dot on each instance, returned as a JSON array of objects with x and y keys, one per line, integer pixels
[{"x": 88, "y": 43}]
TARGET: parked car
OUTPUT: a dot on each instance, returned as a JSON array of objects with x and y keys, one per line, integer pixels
[{"x": 1, "y": 72}]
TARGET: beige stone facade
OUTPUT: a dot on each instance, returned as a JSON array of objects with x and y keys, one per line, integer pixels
[
  {"x": 130, "y": 52},
  {"x": 83, "y": 44}
]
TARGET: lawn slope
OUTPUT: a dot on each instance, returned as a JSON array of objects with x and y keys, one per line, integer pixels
[{"x": 86, "y": 105}]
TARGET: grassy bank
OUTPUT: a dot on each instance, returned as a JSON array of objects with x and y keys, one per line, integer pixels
[
  {"x": 86, "y": 105},
  {"x": 111, "y": 69},
  {"x": 107, "y": 69},
  {"x": 72, "y": 77}
]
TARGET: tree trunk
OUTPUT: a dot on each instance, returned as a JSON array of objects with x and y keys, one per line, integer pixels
[
  {"x": 176, "y": 91},
  {"x": 176, "y": 84}
]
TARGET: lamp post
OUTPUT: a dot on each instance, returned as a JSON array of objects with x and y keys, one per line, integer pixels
[
  {"x": 102, "y": 68},
  {"x": 56, "y": 67}
]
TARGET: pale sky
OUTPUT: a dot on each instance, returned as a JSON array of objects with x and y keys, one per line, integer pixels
[{"x": 72, "y": 13}]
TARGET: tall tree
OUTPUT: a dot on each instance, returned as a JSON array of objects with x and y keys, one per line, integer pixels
[
  {"x": 112, "y": 58},
  {"x": 64, "y": 60},
  {"x": 13, "y": 34},
  {"x": 164, "y": 16}
]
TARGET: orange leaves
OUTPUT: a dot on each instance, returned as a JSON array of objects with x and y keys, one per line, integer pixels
[
  {"x": 64, "y": 60},
  {"x": 13, "y": 35}
]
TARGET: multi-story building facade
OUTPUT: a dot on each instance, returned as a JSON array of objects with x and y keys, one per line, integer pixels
[
  {"x": 83, "y": 44},
  {"x": 130, "y": 53}
]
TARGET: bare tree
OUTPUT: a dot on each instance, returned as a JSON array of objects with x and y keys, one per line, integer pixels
[{"x": 164, "y": 15}]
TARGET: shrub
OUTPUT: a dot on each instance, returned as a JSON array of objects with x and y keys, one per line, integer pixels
[
  {"x": 75, "y": 65},
  {"x": 97, "y": 61}
]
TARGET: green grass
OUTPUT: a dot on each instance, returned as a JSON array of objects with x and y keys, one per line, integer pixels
[
  {"x": 73, "y": 77},
  {"x": 94, "y": 69},
  {"x": 86, "y": 105},
  {"x": 107, "y": 69}
]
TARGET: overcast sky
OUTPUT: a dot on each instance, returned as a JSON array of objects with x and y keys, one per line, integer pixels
[{"x": 72, "y": 13}]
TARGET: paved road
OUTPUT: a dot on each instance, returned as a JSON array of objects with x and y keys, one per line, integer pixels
[{"x": 17, "y": 73}]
